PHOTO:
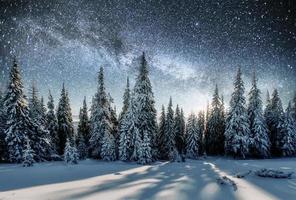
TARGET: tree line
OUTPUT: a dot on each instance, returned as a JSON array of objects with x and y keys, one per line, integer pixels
[{"x": 32, "y": 132}]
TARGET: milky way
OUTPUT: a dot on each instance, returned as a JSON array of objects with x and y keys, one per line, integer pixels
[{"x": 191, "y": 46}]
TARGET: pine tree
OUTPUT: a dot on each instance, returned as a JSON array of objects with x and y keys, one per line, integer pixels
[
  {"x": 201, "y": 128},
  {"x": 28, "y": 156},
  {"x": 273, "y": 113},
  {"x": 216, "y": 127},
  {"x": 237, "y": 134},
  {"x": 81, "y": 147},
  {"x": 101, "y": 124},
  {"x": 71, "y": 155},
  {"x": 192, "y": 137},
  {"x": 145, "y": 112},
  {"x": 35, "y": 107},
  {"x": 65, "y": 122},
  {"x": 170, "y": 144},
  {"x": 114, "y": 125},
  {"x": 161, "y": 134},
  {"x": 287, "y": 132},
  {"x": 3, "y": 145},
  {"x": 108, "y": 147},
  {"x": 43, "y": 112},
  {"x": 127, "y": 132},
  {"x": 145, "y": 156},
  {"x": 179, "y": 135},
  {"x": 52, "y": 123},
  {"x": 259, "y": 133},
  {"x": 126, "y": 100},
  {"x": 83, "y": 130}
]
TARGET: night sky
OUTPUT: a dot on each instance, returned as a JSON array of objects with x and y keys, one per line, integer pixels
[{"x": 191, "y": 46}]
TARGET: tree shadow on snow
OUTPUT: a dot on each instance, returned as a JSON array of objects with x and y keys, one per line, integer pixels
[
  {"x": 17, "y": 177},
  {"x": 189, "y": 180}
]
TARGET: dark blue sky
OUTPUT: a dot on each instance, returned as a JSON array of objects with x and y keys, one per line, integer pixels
[{"x": 191, "y": 46}]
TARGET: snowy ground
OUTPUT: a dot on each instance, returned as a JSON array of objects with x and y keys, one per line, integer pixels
[{"x": 92, "y": 179}]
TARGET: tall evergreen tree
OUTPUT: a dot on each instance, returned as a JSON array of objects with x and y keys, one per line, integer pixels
[
  {"x": 18, "y": 125},
  {"x": 52, "y": 123},
  {"x": 161, "y": 134},
  {"x": 28, "y": 156},
  {"x": 192, "y": 137},
  {"x": 170, "y": 144},
  {"x": 237, "y": 134},
  {"x": 145, "y": 113},
  {"x": 83, "y": 130},
  {"x": 287, "y": 133},
  {"x": 35, "y": 107},
  {"x": 71, "y": 155},
  {"x": 126, "y": 100},
  {"x": 201, "y": 128},
  {"x": 128, "y": 130},
  {"x": 179, "y": 135},
  {"x": 216, "y": 127},
  {"x": 259, "y": 133},
  {"x": 273, "y": 113},
  {"x": 294, "y": 107},
  {"x": 101, "y": 125},
  {"x": 65, "y": 122},
  {"x": 114, "y": 124}
]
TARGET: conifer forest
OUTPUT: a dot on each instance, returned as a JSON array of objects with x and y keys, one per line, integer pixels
[{"x": 147, "y": 100}]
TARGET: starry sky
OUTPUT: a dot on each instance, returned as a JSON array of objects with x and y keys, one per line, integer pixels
[{"x": 190, "y": 45}]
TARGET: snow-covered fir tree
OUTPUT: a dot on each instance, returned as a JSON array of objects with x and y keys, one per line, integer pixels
[
  {"x": 35, "y": 106},
  {"x": 201, "y": 128},
  {"x": 145, "y": 152},
  {"x": 179, "y": 134},
  {"x": 170, "y": 144},
  {"x": 126, "y": 100},
  {"x": 108, "y": 147},
  {"x": 214, "y": 139},
  {"x": 82, "y": 147},
  {"x": 127, "y": 131},
  {"x": 83, "y": 130},
  {"x": 273, "y": 115},
  {"x": 3, "y": 146},
  {"x": 192, "y": 137},
  {"x": 287, "y": 133},
  {"x": 43, "y": 112},
  {"x": 52, "y": 123},
  {"x": 260, "y": 143},
  {"x": 28, "y": 156},
  {"x": 237, "y": 133},
  {"x": 100, "y": 120},
  {"x": 71, "y": 155},
  {"x": 114, "y": 124},
  {"x": 65, "y": 122},
  {"x": 161, "y": 134},
  {"x": 145, "y": 112}
]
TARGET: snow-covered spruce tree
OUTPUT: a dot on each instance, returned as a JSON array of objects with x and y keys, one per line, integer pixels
[
  {"x": 273, "y": 113},
  {"x": 145, "y": 156},
  {"x": 43, "y": 112},
  {"x": 287, "y": 132},
  {"x": 237, "y": 134},
  {"x": 161, "y": 134},
  {"x": 3, "y": 146},
  {"x": 35, "y": 107},
  {"x": 201, "y": 128},
  {"x": 127, "y": 131},
  {"x": 192, "y": 137},
  {"x": 28, "y": 156},
  {"x": 52, "y": 123},
  {"x": 126, "y": 100},
  {"x": 183, "y": 123},
  {"x": 81, "y": 147},
  {"x": 260, "y": 143},
  {"x": 101, "y": 124},
  {"x": 114, "y": 124},
  {"x": 179, "y": 135},
  {"x": 169, "y": 138},
  {"x": 145, "y": 112},
  {"x": 216, "y": 126},
  {"x": 65, "y": 122},
  {"x": 83, "y": 130},
  {"x": 71, "y": 155},
  {"x": 108, "y": 147}
]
